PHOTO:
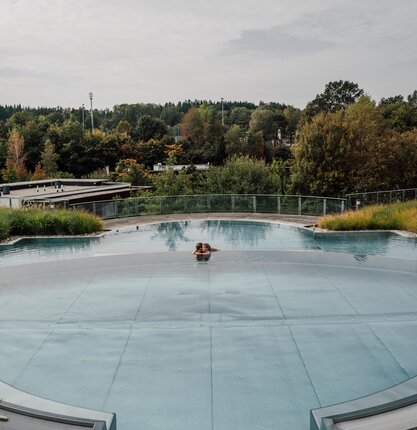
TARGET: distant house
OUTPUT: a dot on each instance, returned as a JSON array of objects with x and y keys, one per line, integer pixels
[{"x": 177, "y": 167}]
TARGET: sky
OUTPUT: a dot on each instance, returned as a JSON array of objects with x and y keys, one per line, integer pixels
[{"x": 54, "y": 52}]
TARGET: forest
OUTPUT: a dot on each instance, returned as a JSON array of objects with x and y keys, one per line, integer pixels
[{"x": 342, "y": 141}]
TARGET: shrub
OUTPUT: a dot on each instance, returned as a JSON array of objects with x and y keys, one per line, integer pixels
[
  {"x": 397, "y": 216},
  {"x": 35, "y": 221}
]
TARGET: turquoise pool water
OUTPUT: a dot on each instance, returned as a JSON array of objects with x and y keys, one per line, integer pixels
[
  {"x": 268, "y": 329},
  {"x": 226, "y": 235}
]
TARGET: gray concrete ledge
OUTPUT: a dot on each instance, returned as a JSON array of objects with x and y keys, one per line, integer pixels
[
  {"x": 362, "y": 413},
  {"x": 19, "y": 403}
]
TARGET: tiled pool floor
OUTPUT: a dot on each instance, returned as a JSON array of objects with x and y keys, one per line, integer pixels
[{"x": 247, "y": 341}]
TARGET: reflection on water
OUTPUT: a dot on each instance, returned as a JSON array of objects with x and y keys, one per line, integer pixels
[
  {"x": 245, "y": 234},
  {"x": 172, "y": 233}
]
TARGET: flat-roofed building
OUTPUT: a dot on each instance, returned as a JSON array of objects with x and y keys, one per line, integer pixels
[{"x": 61, "y": 192}]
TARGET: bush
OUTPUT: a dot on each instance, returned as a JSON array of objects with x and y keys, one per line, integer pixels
[
  {"x": 397, "y": 216},
  {"x": 35, "y": 221}
]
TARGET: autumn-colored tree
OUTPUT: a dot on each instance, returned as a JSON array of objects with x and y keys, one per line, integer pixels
[
  {"x": 173, "y": 152},
  {"x": 192, "y": 125},
  {"x": 38, "y": 174},
  {"x": 15, "y": 163},
  {"x": 131, "y": 171}
]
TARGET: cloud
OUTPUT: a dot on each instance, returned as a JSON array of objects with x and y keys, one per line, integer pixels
[{"x": 278, "y": 42}]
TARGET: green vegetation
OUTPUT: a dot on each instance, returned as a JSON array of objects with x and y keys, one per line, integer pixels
[
  {"x": 35, "y": 221},
  {"x": 342, "y": 141},
  {"x": 396, "y": 216}
]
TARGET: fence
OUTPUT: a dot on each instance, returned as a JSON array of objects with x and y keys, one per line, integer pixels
[
  {"x": 160, "y": 205},
  {"x": 358, "y": 200}
]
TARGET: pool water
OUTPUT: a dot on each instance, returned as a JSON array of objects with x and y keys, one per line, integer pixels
[
  {"x": 268, "y": 329},
  {"x": 225, "y": 235}
]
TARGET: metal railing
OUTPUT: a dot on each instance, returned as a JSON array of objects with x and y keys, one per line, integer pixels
[
  {"x": 247, "y": 203},
  {"x": 358, "y": 200}
]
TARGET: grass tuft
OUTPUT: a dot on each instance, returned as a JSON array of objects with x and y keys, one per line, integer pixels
[
  {"x": 49, "y": 222},
  {"x": 396, "y": 216}
]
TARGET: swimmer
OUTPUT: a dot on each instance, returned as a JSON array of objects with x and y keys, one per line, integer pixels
[
  {"x": 198, "y": 248},
  {"x": 207, "y": 248}
]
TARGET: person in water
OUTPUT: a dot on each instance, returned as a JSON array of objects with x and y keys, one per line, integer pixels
[
  {"x": 207, "y": 248},
  {"x": 203, "y": 251},
  {"x": 198, "y": 248}
]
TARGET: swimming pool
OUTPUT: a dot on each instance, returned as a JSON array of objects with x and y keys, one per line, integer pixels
[
  {"x": 251, "y": 340},
  {"x": 224, "y": 234}
]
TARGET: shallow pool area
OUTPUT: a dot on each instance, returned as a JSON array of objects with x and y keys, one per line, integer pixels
[{"x": 268, "y": 329}]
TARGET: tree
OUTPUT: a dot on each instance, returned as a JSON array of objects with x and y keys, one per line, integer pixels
[
  {"x": 15, "y": 162},
  {"x": 130, "y": 171},
  {"x": 192, "y": 125},
  {"x": 151, "y": 152},
  {"x": 150, "y": 128},
  {"x": 293, "y": 118},
  {"x": 241, "y": 117},
  {"x": 265, "y": 121},
  {"x": 49, "y": 159},
  {"x": 240, "y": 175},
  {"x": 256, "y": 145},
  {"x": 280, "y": 176},
  {"x": 337, "y": 95},
  {"x": 171, "y": 115},
  {"x": 38, "y": 174},
  {"x": 350, "y": 150},
  {"x": 235, "y": 142},
  {"x": 401, "y": 115}
]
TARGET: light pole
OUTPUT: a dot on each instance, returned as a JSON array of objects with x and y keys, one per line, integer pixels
[
  {"x": 82, "y": 114},
  {"x": 106, "y": 111},
  {"x": 90, "y": 94},
  {"x": 222, "y": 111}
]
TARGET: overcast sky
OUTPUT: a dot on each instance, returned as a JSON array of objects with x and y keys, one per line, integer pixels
[{"x": 53, "y": 52}]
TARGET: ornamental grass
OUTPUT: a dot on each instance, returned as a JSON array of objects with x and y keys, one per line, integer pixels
[
  {"x": 395, "y": 216},
  {"x": 46, "y": 222}
]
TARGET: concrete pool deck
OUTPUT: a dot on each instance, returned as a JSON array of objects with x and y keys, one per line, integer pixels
[{"x": 251, "y": 340}]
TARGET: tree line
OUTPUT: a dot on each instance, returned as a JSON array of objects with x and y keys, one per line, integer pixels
[{"x": 341, "y": 141}]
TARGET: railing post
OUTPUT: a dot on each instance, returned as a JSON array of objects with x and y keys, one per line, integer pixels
[
  {"x": 254, "y": 203},
  {"x": 160, "y": 205},
  {"x": 136, "y": 207},
  {"x": 403, "y": 195},
  {"x": 299, "y": 205},
  {"x": 324, "y": 206},
  {"x": 94, "y": 208},
  {"x": 279, "y": 205},
  {"x": 208, "y": 204},
  {"x": 342, "y": 206},
  {"x": 233, "y": 203}
]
